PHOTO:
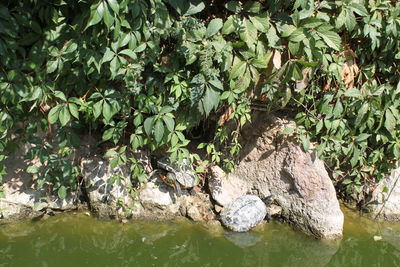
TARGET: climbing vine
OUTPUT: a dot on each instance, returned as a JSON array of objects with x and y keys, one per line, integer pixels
[{"x": 145, "y": 73}]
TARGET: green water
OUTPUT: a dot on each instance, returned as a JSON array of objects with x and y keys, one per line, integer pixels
[{"x": 80, "y": 240}]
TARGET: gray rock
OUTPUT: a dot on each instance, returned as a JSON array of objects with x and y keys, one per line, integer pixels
[
  {"x": 106, "y": 198},
  {"x": 385, "y": 202},
  {"x": 224, "y": 188},
  {"x": 272, "y": 164},
  {"x": 243, "y": 213}
]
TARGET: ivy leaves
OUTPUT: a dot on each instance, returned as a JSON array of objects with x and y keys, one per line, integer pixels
[
  {"x": 103, "y": 10},
  {"x": 205, "y": 94},
  {"x": 62, "y": 112},
  {"x": 156, "y": 125}
]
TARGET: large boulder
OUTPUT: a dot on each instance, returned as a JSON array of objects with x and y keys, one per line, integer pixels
[
  {"x": 385, "y": 202},
  {"x": 273, "y": 164}
]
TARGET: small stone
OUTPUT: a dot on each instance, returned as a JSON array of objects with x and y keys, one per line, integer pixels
[
  {"x": 194, "y": 214},
  {"x": 243, "y": 213},
  {"x": 87, "y": 214},
  {"x": 217, "y": 208},
  {"x": 377, "y": 238},
  {"x": 274, "y": 210}
]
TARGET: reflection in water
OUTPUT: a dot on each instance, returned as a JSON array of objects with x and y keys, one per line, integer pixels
[
  {"x": 78, "y": 240},
  {"x": 243, "y": 240}
]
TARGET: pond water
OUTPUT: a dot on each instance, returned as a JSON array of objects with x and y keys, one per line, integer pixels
[{"x": 79, "y": 240}]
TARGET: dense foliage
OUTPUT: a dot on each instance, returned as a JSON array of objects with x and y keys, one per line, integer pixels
[{"x": 148, "y": 72}]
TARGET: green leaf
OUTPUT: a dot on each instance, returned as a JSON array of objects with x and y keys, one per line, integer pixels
[
  {"x": 341, "y": 19},
  {"x": 319, "y": 126},
  {"x": 385, "y": 189},
  {"x": 287, "y": 30},
  {"x": 311, "y": 64},
  {"x": 259, "y": 63},
  {"x": 338, "y": 109},
  {"x": 359, "y": 9},
  {"x": 96, "y": 14},
  {"x": 195, "y": 6},
  {"x": 294, "y": 47},
  {"x": 53, "y": 114},
  {"x": 233, "y": 6},
  {"x": 261, "y": 22},
  {"x": 62, "y": 192},
  {"x": 210, "y": 100},
  {"x": 73, "y": 109},
  {"x": 332, "y": 39},
  {"x": 213, "y": 27},
  {"x": 107, "y": 113},
  {"x": 51, "y": 66},
  {"x": 166, "y": 109},
  {"x": 353, "y": 92},
  {"x": 140, "y": 48},
  {"x": 361, "y": 113},
  {"x": 297, "y": 35},
  {"x": 158, "y": 131},
  {"x": 108, "y": 55},
  {"x": 252, "y": 7},
  {"x": 350, "y": 21},
  {"x": 97, "y": 108},
  {"x": 148, "y": 125},
  {"x": 288, "y": 130},
  {"x": 169, "y": 122},
  {"x": 64, "y": 116},
  {"x": 114, "y": 5},
  {"x": 229, "y": 26},
  {"x": 248, "y": 33},
  {"x": 60, "y": 95},
  {"x": 306, "y": 142},
  {"x": 217, "y": 84},
  {"x": 108, "y": 134},
  {"x": 32, "y": 169},
  {"x": 238, "y": 70},
  {"x": 129, "y": 53},
  {"x": 297, "y": 73},
  {"x": 347, "y": 181},
  {"x": 111, "y": 153},
  {"x": 390, "y": 121},
  {"x": 362, "y": 137},
  {"x": 311, "y": 22},
  {"x": 108, "y": 17}
]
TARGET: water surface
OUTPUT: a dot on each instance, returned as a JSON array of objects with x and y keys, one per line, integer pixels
[{"x": 79, "y": 240}]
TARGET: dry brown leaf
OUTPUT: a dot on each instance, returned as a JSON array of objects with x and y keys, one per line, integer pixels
[
  {"x": 277, "y": 60},
  {"x": 224, "y": 117},
  {"x": 349, "y": 69},
  {"x": 264, "y": 97}
]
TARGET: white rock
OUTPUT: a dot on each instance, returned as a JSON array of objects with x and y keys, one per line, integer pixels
[{"x": 224, "y": 187}]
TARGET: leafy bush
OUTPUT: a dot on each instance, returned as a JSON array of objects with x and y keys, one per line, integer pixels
[{"x": 152, "y": 70}]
